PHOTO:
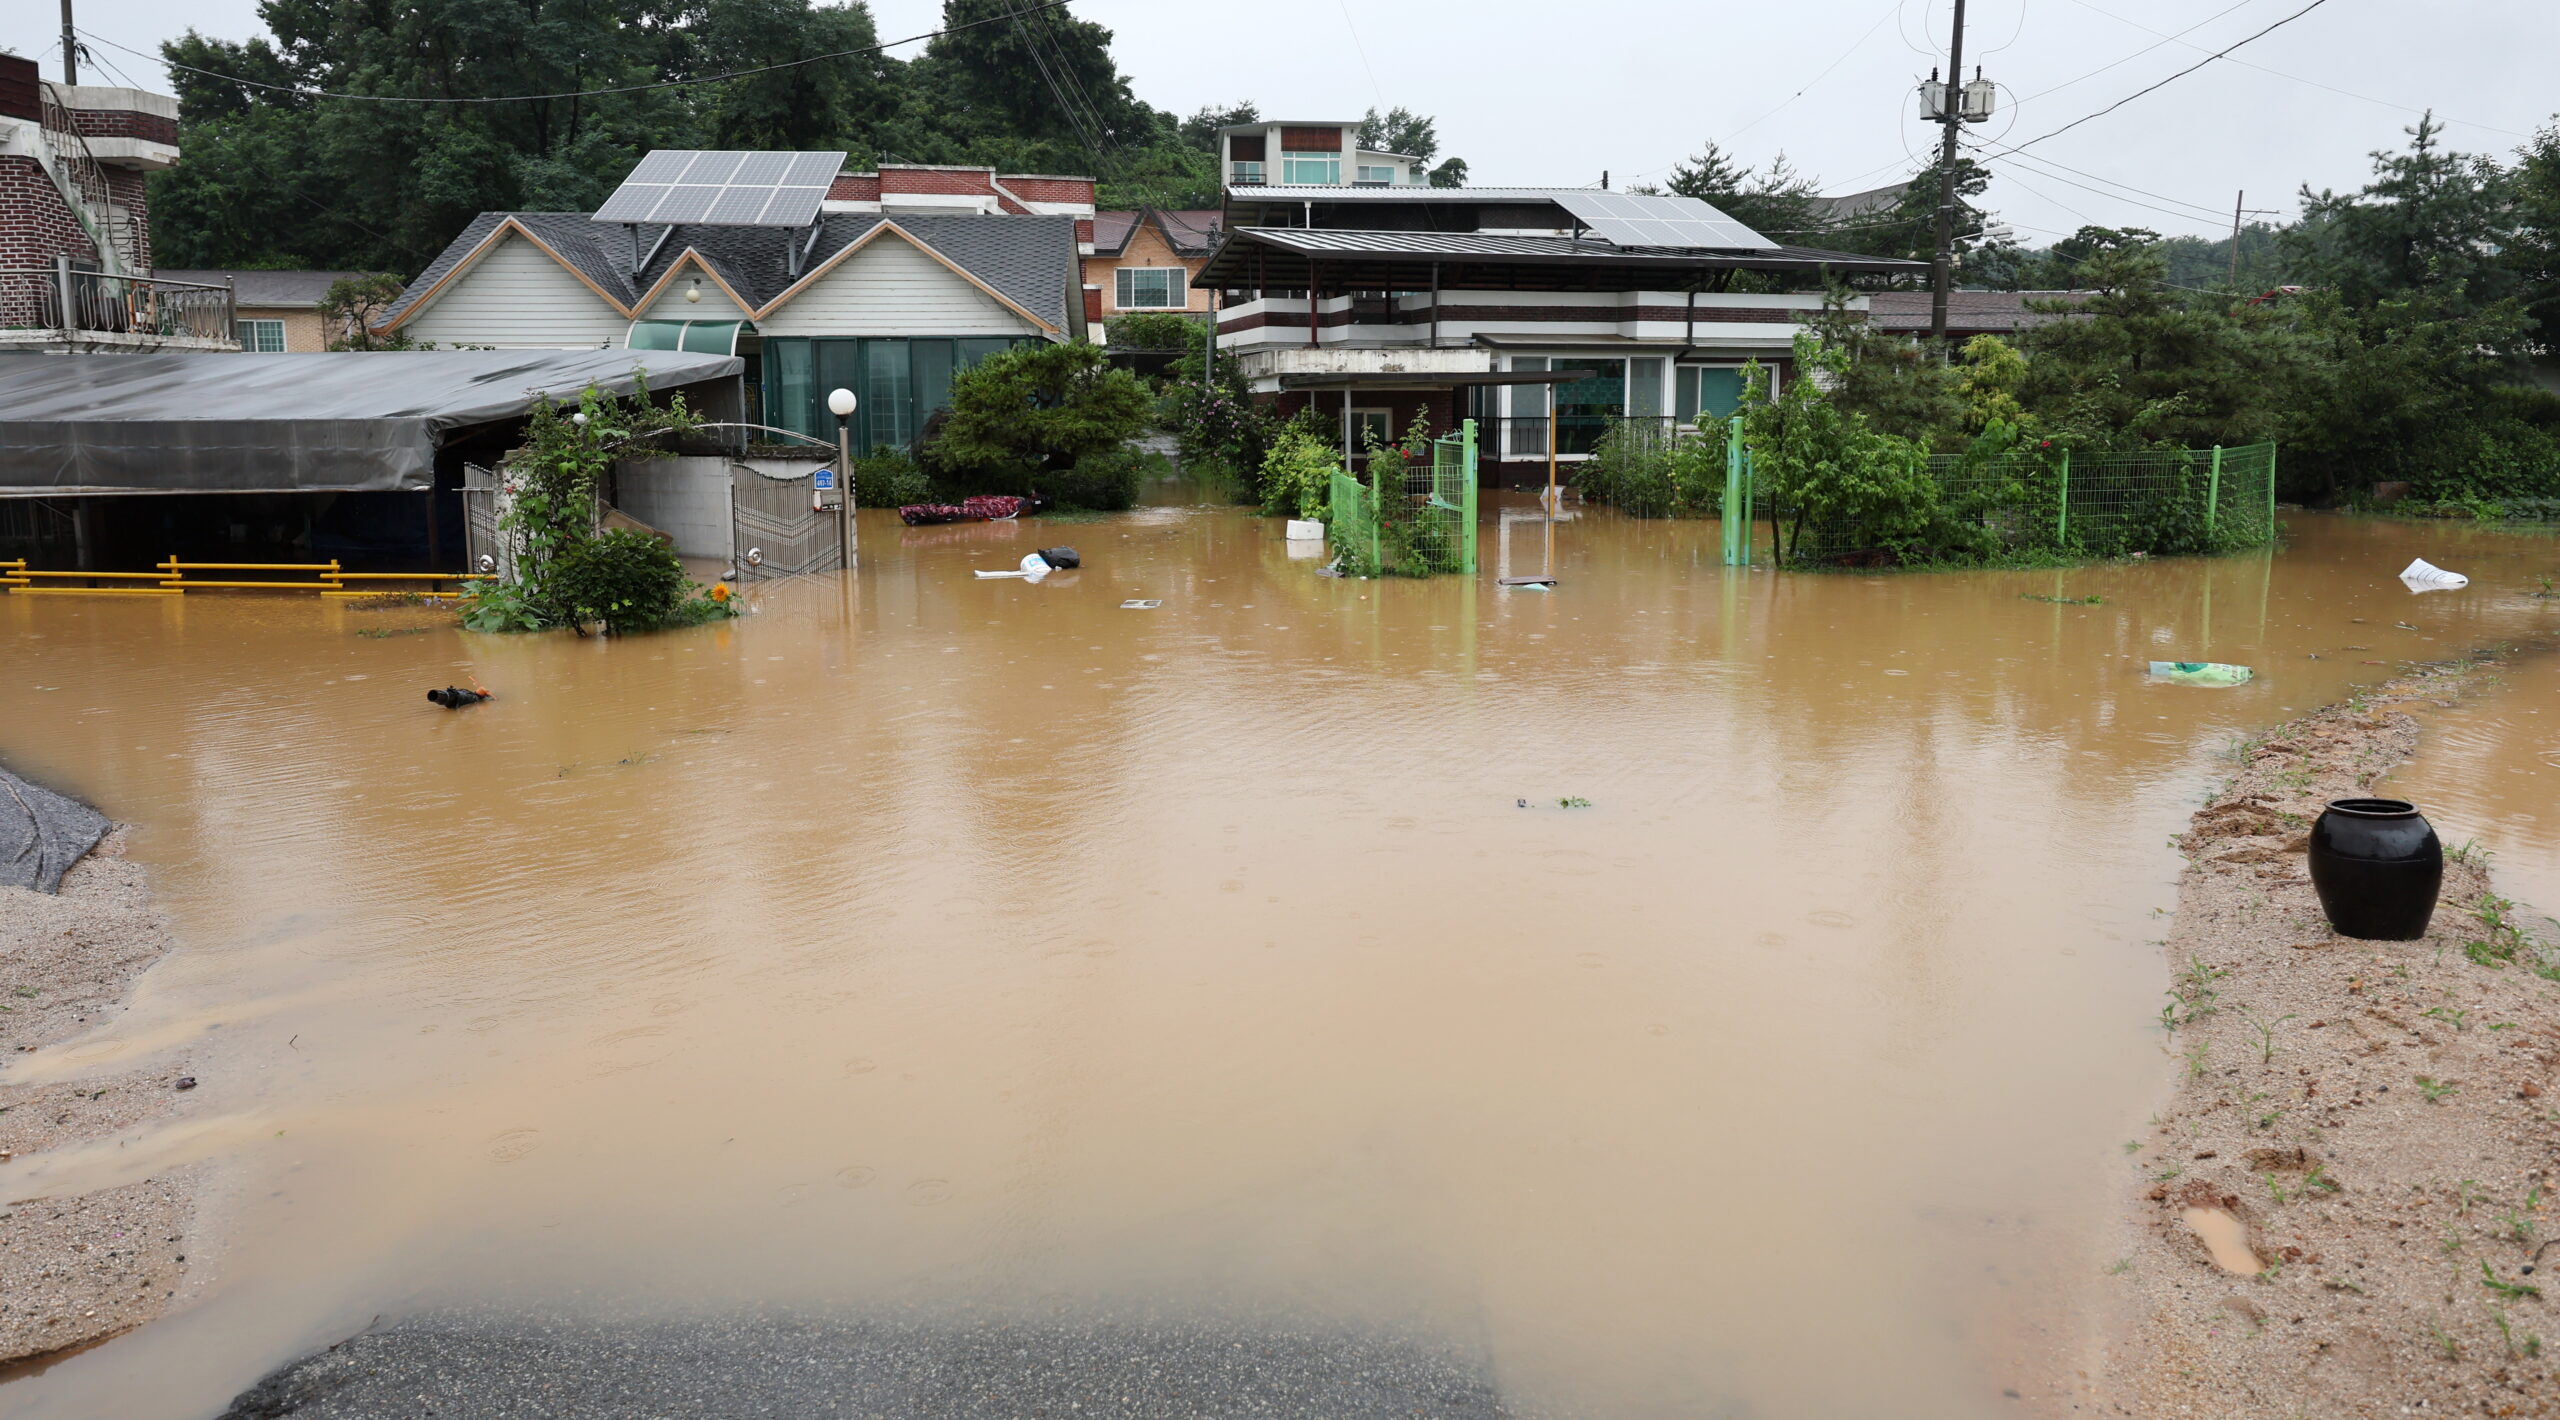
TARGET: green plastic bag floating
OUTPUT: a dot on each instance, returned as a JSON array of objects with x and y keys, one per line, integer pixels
[{"x": 2199, "y": 673}]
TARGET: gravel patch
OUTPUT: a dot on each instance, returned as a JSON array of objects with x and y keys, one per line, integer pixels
[
  {"x": 518, "y": 1368},
  {"x": 2374, "y": 1126},
  {"x": 77, "y": 1270}
]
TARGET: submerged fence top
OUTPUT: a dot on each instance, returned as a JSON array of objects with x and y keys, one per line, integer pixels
[{"x": 343, "y": 421}]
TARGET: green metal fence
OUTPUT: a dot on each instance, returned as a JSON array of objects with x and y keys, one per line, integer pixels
[
  {"x": 2170, "y": 501},
  {"x": 1419, "y": 521}
]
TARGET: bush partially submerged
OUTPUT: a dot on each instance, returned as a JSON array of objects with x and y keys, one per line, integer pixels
[
  {"x": 1029, "y": 415},
  {"x": 628, "y": 580},
  {"x": 1642, "y": 469}
]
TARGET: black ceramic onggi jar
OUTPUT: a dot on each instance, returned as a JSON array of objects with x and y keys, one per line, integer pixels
[{"x": 2376, "y": 865}]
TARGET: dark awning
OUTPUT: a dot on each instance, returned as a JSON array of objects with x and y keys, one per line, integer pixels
[
  {"x": 344, "y": 421},
  {"x": 1374, "y": 380},
  {"x": 1295, "y": 258}
]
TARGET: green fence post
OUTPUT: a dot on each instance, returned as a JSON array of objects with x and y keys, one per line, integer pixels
[
  {"x": 2271, "y": 492},
  {"x": 2213, "y": 493},
  {"x": 1467, "y": 431},
  {"x": 2062, "y": 518},
  {"x": 1734, "y": 497}
]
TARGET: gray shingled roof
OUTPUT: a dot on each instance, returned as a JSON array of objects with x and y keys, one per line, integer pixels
[
  {"x": 266, "y": 288},
  {"x": 1029, "y": 259}
]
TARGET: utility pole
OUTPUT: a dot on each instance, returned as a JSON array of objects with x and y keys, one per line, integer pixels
[
  {"x": 70, "y": 47},
  {"x": 1942, "y": 265},
  {"x": 2236, "y": 212}
]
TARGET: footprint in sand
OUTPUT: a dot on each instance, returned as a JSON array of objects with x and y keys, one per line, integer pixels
[
  {"x": 925, "y": 1192},
  {"x": 855, "y": 1177},
  {"x": 514, "y": 1144}
]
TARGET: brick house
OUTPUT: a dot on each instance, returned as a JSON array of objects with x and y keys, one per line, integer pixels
[
  {"x": 1145, "y": 261},
  {"x": 75, "y": 222},
  {"x": 279, "y": 311}
]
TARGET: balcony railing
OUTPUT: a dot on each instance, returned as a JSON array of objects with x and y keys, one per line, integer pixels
[
  {"x": 1576, "y": 435},
  {"x": 78, "y": 303}
]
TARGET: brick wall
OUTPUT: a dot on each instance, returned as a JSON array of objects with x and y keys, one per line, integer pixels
[
  {"x": 1146, "y": 247},
  {"x": 124, "y": 123},
  {"x": 35, "y": 227},
  {"x": 304, "y": 330},
  {"x": 977, "y": 182},
  {"x": 854, "y": 187},
  {"x": 1051, "y": 189},
  {"x": 133, "y": 194}
]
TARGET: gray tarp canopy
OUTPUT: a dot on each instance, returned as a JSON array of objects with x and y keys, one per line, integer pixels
[{"x": 345, "y": 421}]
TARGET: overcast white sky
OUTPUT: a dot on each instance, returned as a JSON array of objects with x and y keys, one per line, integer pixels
[{"x": 1554, "y": 93}]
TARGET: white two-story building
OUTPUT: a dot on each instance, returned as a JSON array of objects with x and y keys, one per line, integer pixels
[{"x": 1539, "y": 312}]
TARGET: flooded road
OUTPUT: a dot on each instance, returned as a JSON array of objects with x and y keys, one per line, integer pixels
[{"x": 942, "y": 944}]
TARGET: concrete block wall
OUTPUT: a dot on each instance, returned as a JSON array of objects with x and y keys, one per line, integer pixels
[{"x": 685, "y": 498}]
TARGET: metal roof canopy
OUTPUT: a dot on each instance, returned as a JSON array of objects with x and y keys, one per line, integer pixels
[
  {"x": 1631, "y": 219},
  {"x": 1372, "y": 379},
  {"x": 725, "y": 188},
  {"x": 340, "y": 422},
  {"x": 1295, "y": 258}
]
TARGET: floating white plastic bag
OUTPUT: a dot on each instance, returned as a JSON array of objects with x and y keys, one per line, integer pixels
[
  {"x": 1033, "y": 568},
  {"x": 2424, "y": 576}
]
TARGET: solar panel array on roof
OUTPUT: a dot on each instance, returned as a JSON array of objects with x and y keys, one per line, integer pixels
[
  {"x": 1635, "y": 220},
  {"x": 723, "y": 189}
]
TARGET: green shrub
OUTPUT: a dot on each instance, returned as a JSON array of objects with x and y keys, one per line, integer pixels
[
  {"x": 887, "y": 478},
  {"x": 1029, "y": 414},
  {"x": 1297, "y": 475},
  {"x": 1105, "y": 480},
  {"x": 1154, "y": 330},
  {"x": 501, "y": 606},
  {"x": 1644, "y": 470},
  {"x": 628, "y": 580}
]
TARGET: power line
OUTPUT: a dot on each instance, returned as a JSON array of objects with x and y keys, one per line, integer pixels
[
  {"x": 1890, "y": 12},
  {"x": 2190, "y": 69},
  {"x": 2137, "y": 54},
  {"x": 2197, "y": 215},
  {"x": 2263, "y": 69},
  {"x": 578, "y": 93}
]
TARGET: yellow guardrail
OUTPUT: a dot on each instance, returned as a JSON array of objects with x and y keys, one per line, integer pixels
[{"x": 174, "y": 579}]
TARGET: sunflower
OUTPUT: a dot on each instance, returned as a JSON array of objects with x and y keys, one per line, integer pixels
[{"x": 720, "y": 593}]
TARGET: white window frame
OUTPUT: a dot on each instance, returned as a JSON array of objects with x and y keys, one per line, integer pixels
[
  {"x": 1360, "y": 424},
  {"x": 1688, "y": 418},
  {"x": 1382, "y": 174},
  {"x": 1121, "y": 286},
  {"x": 1245, "y": 172},
  {"x": 247, "y": 329},
  {"x": 1289, "y": 165}
]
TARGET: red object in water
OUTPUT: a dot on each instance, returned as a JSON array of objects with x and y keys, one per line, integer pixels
[{"x": 986, "y": 507}]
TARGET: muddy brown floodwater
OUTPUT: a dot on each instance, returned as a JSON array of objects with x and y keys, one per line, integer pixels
[{"x": 945, "y": 942}]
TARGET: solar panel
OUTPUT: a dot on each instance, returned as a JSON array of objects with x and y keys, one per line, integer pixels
[
  {"x": 1637, "y": 220},
  {"x": 723, "y": 189}
]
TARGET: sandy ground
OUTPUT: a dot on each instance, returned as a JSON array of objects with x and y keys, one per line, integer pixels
[
  {"x": 74, "y": 1271},
  {"x": 2380, "y": 1120}
]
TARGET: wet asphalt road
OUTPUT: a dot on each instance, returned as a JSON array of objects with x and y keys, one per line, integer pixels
[{"x": 473, "y": 1368}]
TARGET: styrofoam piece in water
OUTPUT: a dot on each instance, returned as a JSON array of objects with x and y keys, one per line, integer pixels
[
  {"x": 1303, "y": 528},
  {"x": 2424, "y": 576}
]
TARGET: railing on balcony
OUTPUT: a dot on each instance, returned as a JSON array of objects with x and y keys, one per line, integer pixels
[
  {"x": 58, "y": 298},
  {"x": 1576, "y": 435}
]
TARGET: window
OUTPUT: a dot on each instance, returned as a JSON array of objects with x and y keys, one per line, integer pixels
[
  {"x": 901, "y": 382},
  {"x": 1152, "y": 288},
  {"x": 260, "y": 337},
  {"x": 1707, "y": 393},
  {"x": 1381, "y": 177},
  {"x": 1325, "y": 168},
  {"x": 1245, "y": 174},
  {"x": 1369, "y": 425}
]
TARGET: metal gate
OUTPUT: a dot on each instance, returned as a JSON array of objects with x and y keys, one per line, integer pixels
[
  {"x": 482, "y": 491},
  {"x": 776, "y": 527}
]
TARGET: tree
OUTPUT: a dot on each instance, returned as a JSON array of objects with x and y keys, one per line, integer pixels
[
  {"x": 2432, "y": 223},
  {"x": 1021, "y": 416},
  {"x": 1401, "y": 130},
  {"x": 351, "y": 307},
  {"x": 1779, "y": 203},
  {"x": 1200, "y": 130}
]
